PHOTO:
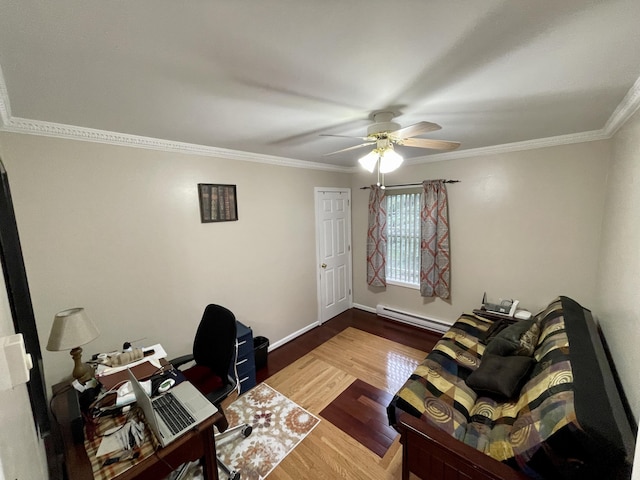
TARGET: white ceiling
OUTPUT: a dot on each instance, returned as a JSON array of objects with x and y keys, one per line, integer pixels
[{"x": 270, "y": 76}]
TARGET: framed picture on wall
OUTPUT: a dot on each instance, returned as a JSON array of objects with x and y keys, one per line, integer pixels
[{"x": 218, "y": 203}]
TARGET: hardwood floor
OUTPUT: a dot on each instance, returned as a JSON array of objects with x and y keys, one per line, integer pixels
[
  {"x": 360, "y": 412},
  {"x": 368, "y": 322},
  {"x": 357, "y": 352}
]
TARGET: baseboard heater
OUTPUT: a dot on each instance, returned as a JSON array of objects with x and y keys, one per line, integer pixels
[{"x": 412, "y": 319}]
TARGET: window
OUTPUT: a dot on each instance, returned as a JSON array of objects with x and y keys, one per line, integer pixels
[{"x": 403, "y": 239}]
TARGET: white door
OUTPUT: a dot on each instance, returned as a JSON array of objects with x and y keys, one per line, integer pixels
[{"x": 333, "y": 239}]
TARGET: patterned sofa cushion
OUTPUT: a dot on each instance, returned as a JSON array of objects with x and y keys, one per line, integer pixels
[{"x": 436, "y": 391}]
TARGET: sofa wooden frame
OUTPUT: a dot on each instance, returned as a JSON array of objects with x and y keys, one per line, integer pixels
[{"x": 433, "y": 454}]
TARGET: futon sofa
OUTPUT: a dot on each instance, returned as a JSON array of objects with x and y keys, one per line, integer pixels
[{"x": 516, "y": 400}]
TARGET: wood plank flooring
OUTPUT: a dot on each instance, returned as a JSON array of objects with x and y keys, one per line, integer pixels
[
  {"x": 368, "y": 322},
  {"x": 313, "y": 370},
  {"x": 360, "y": 412}
]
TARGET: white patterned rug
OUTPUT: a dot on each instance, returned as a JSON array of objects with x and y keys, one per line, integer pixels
[{"x": 278, "y": 426}]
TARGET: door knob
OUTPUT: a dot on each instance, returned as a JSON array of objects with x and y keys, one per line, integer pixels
[{"x": 324, "y": 265}]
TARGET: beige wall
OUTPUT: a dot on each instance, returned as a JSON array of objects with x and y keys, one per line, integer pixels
[
  {"x": 618, "y": 286},
  {"x": 117, "y": 231},
  {"x": 523, "y": 225}
]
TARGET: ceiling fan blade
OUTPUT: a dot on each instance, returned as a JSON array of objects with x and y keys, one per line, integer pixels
[
  {"x": 350, "y": 148},
  {"x": 429, "y": 143},
  {"x": 415, "y": 130},
  {"x": 342, "y": 136}
]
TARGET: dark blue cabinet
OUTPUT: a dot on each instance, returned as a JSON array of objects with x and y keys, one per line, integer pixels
[{"x": 245, "y": 364}]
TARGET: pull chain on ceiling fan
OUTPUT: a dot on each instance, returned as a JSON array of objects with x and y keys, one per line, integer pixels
[{"x": 384, "y": 134}]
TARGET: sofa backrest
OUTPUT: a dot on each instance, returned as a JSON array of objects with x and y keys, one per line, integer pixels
[
  {"x": 573, "y": 408},
  {"x": 598, "y": 402}
]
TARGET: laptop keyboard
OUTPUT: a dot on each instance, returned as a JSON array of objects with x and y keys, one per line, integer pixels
[{"x": 172, "y": 412}]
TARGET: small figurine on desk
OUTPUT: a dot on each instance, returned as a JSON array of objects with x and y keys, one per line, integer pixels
[
  {"x": 127, "y": 356},
  {"x": 124, "y": 358}
]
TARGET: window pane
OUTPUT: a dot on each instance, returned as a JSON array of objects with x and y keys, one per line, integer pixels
[{"x": 403, "y": 238}]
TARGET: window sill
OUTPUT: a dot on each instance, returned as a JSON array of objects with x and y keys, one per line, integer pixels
[{"x": 403, "y": 284}]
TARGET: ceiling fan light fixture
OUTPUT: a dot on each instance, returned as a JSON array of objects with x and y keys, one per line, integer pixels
[
  {"x": 370, "y": 160},
  {"x": 390, "y": 160}
]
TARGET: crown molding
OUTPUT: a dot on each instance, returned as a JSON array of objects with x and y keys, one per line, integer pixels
[
  {"x": 514, "y": 147},
  {"x": 57, "y": 130},
  {"x": 625, "y": 109},
  {"x": 5, "y": 108}
]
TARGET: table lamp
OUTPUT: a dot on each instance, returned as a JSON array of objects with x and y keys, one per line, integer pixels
[{"x": 72, "y": 328}]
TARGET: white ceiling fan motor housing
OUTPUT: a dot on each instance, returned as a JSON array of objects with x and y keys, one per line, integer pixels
[{"x": 383, "y": 124}]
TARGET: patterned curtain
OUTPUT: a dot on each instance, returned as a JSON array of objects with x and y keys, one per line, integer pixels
[
  {"x": 434, "y": 240},
  {"x": 377, "y": 238}
]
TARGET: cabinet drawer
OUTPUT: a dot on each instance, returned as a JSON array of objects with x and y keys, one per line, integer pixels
[
  {"x": 245, "y": 346},
  {"x": 248, "y": 380},
  {"x": 243, "y": 365}
]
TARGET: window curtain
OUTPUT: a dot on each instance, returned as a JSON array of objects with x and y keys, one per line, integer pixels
[
  {"x": 434, "y": 240},
  {"x": 377, "y": 238}
]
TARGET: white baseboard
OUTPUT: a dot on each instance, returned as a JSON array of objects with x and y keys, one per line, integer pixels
[
  {"x": 304, "y": 330},
  {"x": 365, "y": 308},
  {"x": 294, "y": 335}
]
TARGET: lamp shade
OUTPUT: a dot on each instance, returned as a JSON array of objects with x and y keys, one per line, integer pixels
[
  {"x": 390, "y": 160},
  {"x": 370, "y": 160},
  {"x": 71, "y": 328}
]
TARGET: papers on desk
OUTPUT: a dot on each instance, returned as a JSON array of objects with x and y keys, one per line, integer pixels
[
  {"x": 123, "y": 437},
  {"x": 111, "y": 377}
]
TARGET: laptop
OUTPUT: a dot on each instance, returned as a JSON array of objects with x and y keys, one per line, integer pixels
[{"x": 174, "y": 413}]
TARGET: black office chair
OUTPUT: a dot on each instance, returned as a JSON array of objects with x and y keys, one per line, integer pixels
[{"x": 214, "y": 353}]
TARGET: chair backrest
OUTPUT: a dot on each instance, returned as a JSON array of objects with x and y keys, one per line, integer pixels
[{"x": 215, "y": 343}]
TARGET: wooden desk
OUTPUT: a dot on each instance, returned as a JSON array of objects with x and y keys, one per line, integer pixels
[{"x": 196, "y": 444}]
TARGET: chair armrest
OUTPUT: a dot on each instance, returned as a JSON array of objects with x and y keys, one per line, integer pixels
[{"x": 179, "y": 361}]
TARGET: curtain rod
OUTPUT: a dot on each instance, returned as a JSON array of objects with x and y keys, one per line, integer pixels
[{"x": 409, "y": 185}]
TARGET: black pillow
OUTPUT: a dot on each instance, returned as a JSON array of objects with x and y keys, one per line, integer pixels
[
  {"x": 500, "y": 377},
  {"x": 517, "y": 339},
  {"x": 494, "y": 329}
]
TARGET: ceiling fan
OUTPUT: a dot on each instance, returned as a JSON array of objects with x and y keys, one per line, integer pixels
[{"x": 384, "y": 134}]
